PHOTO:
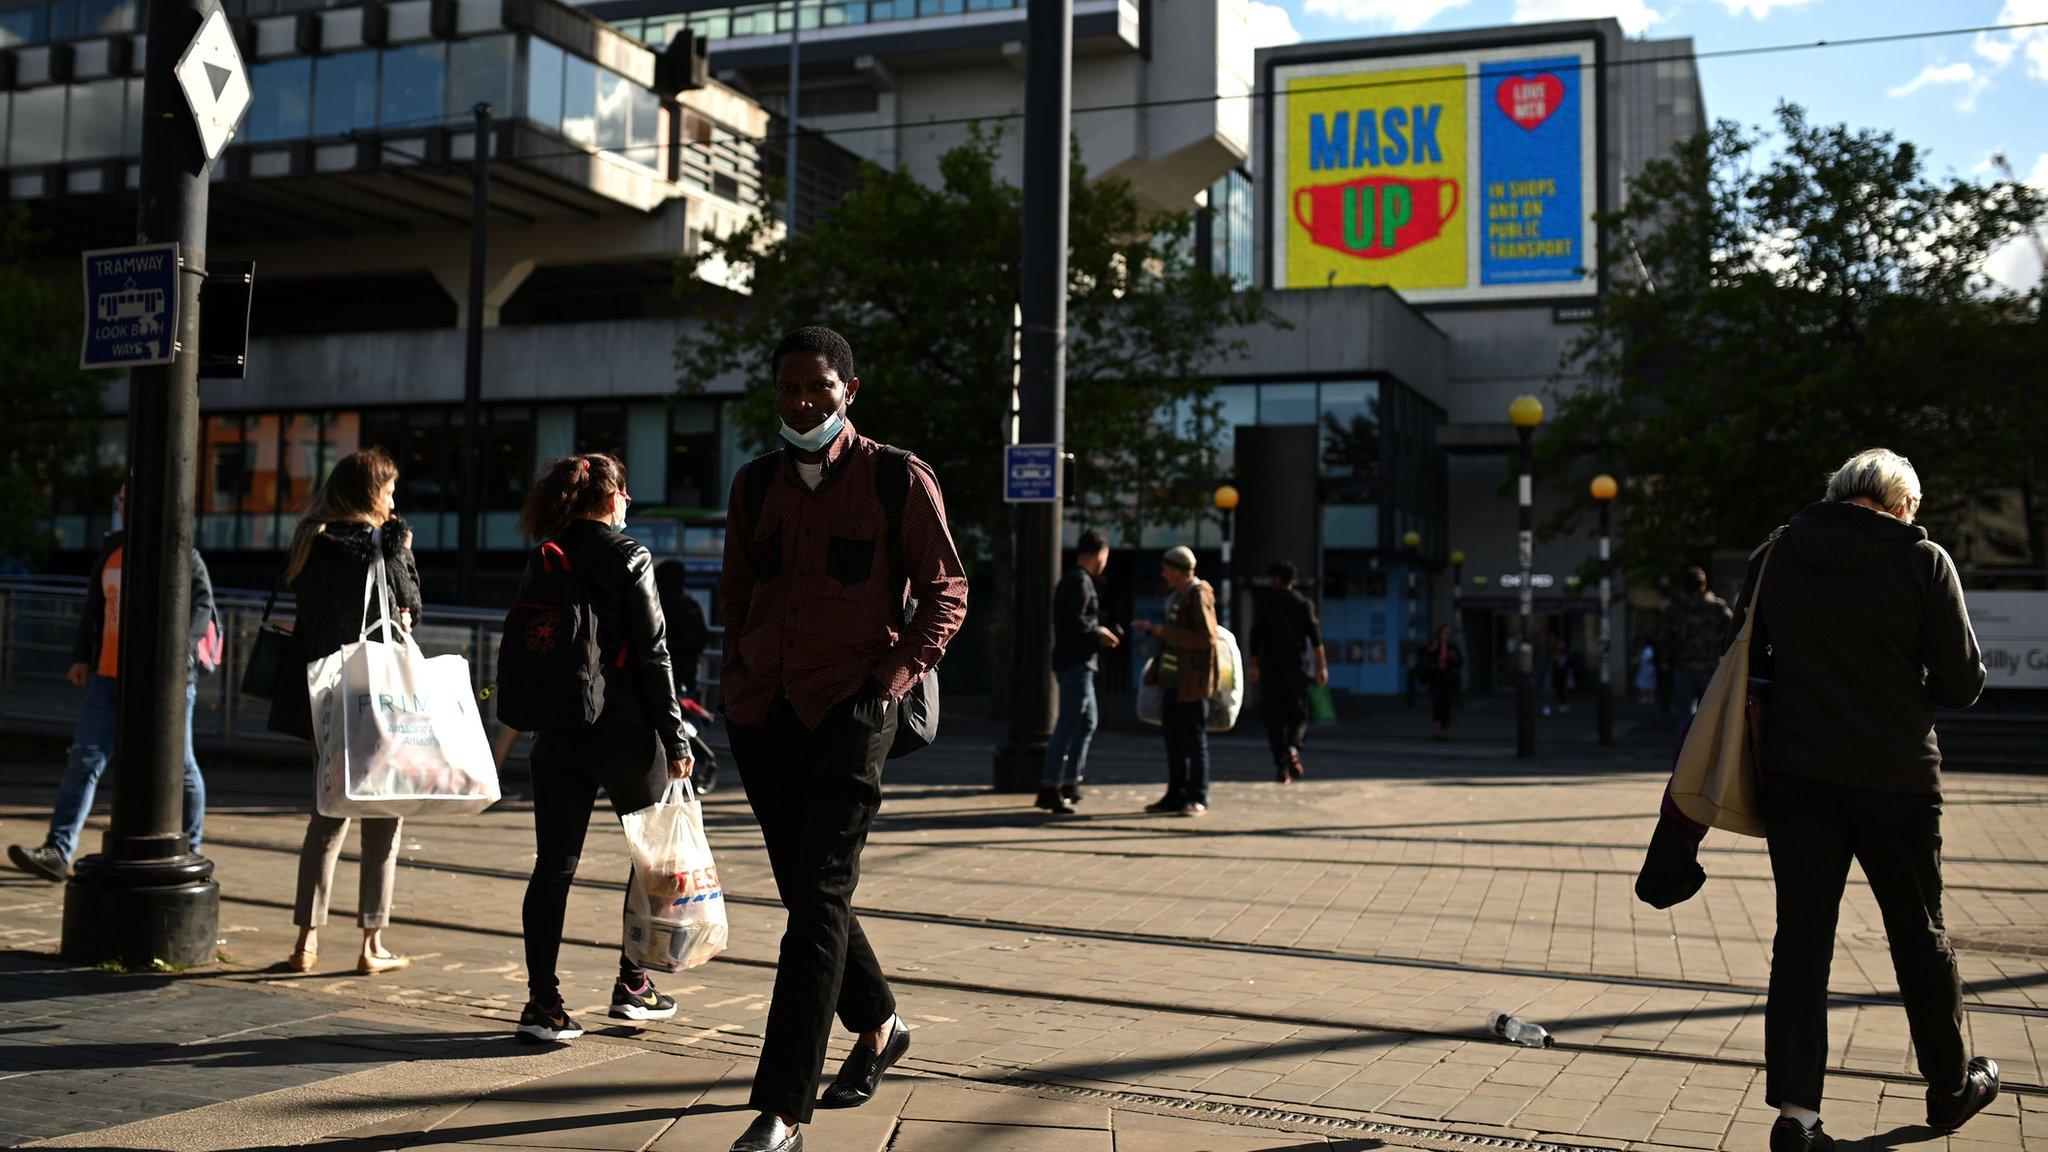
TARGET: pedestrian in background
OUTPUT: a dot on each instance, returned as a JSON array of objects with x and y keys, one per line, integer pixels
[
  {"x": 688, "y": 636},
  {"x": 823, "y": 541},
  {"x": 1646, "y": 673},
  {"x": 353, "y": 519},
  {"x": 1861, "y": 630},
  {"x": 1187, "y": 675},
  {"x": 1564, "y": 677},
  {"x": 1696, "y": 630},
  {"x": 96, "y": 667},
  {"x": 636, "y": 745},
  {"x": 1078, "y": 636},
  {"x": 1286, "y": 654},
  {"x": 1444, "y": 665}
]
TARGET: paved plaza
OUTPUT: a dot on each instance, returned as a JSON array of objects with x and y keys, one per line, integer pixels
[{"x": 1308, "y": 967}]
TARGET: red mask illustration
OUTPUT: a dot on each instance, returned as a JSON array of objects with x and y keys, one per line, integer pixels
[{"x": 1376, "y": 216}]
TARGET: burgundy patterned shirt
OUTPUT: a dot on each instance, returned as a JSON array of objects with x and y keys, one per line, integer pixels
[{"x": 808, "y": 606}]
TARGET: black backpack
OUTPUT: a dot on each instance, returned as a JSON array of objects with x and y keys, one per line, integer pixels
[
  {"x": 549, "y": 669},
  {"x": 918, "y": 724}
]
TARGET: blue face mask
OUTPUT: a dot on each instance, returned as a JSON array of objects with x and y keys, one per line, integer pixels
[{"x": 816, "y": 439}]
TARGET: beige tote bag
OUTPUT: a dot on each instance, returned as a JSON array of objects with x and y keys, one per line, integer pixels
[{"x": 1716, "y": 780}]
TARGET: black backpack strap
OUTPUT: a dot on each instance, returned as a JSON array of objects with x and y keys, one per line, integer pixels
[
  {"x": 755, "y": 477},
  {"x": 892, "y": 485}
]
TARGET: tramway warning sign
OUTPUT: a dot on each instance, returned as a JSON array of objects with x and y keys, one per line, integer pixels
[
  {"x": 1031, "y": 473},
  {"x": 215, "y": 83},
  {"x": 131, "y": 306}
]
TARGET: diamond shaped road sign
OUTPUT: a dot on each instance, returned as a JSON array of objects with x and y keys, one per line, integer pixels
[{"x": 215, "y": 84}]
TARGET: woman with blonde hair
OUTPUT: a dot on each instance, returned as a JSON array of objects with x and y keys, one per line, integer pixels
[{"x": 336, "y": 546}]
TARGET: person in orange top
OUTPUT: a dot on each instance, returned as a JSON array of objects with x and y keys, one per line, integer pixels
[{"x": 96, "y": 667}]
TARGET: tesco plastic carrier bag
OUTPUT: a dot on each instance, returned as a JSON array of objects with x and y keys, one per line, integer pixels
[
  {"x": 675, "y": 906},
  {"x": 398, "y": 734}
]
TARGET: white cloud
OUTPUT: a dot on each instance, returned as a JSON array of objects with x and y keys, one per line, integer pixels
[
  {"x": 1635, "y": 16},
  {"x": 1999, "y": 48},
  {"x": 1270, "y": 25},
  {"x": 1961, "y": 74},
  {"x": 1761, "y": 9},
  {"x": 1398, "y": 15},
  {"x": 2017, "y": 265}
]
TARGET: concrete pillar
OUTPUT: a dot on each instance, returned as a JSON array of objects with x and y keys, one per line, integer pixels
[{"x": 500, "y": 282}]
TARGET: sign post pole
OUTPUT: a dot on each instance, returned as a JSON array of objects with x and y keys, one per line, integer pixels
[{"x": 145, "y": 896}]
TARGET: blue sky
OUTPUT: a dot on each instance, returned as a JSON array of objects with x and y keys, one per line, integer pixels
[{"x": 1959, "y": 98}]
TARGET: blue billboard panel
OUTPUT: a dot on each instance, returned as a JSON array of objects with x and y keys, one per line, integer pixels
[{"x": 1531, "y": 173}]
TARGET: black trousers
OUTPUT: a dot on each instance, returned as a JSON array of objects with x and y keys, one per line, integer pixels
[
  {"x": 568, "y": 770},
  {"x": 1443, "y": 692},
  {"x": 1814, "y": 829},
  {"x": 1187, "y": 751},
  {"x": 1283, "y": 705},
  {"x": 815, "y": 794}
]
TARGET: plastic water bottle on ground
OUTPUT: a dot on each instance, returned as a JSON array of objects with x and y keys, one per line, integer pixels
[{"x": 1516, "y": 1030}]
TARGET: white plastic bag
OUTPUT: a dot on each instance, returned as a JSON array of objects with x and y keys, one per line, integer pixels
[
  {"x": 675, "y": 906},
  {"x": 1224, "y": 704},
  {"x": 398, "y": 734}
]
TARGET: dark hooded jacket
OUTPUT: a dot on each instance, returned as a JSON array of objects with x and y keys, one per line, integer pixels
[
  {"x": 1863, "y": 633},
  {"x": 330, "y": 607}
]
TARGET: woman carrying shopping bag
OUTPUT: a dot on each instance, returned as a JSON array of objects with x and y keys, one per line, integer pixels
[
  {"x": 333, "y": 554},
  {"x": 587, "y": 581}
]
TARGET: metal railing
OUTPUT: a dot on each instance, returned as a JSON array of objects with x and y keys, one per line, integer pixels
[{"x": 39, "y": 621}]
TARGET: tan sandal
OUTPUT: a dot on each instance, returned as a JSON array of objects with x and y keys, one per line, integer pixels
[
  {"x": 368, "y": 965},
  {"x": 302, "y": 960}
]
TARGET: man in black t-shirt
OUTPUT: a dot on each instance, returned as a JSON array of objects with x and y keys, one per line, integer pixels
[{"x": 1287, "y": 649}]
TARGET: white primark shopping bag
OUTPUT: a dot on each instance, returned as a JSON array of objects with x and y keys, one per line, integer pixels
[
  {"x": 398, "y": 734},
  {"x": 675, "y": 906}
]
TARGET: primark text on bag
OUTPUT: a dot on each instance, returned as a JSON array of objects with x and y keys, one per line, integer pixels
[{"x": 398, "y": 733}]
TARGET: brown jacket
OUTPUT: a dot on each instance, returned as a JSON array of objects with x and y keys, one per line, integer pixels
[{"x": 1191, "y": 627}]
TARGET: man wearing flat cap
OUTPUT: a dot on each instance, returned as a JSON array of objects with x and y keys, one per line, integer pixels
[{"x": 1186, "y": 673}]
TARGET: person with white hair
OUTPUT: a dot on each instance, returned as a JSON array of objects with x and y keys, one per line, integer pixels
[{"x": 1861, "y": 631}]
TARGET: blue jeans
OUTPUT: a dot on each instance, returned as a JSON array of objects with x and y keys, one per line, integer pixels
[
  {"x": 1187, "y": 752},
  {"x": 1066, "y": 758},
  {"x": 92, "y": 743},
  {"x": 1688, "y": 687}
]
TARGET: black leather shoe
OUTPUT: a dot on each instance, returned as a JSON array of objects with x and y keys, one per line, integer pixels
[
  {"x": 1071, "y": 793},
  {"x": 1789, "y": 1135},
  {"x": 1051, "y": 800},
  {"x": 769, "y": 1134},
  {"x": 855, "y": 1084},
  {"x": 1980, "y": 1088}
]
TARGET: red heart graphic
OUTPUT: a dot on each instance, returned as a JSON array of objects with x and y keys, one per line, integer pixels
[{"x": 1529, "y": 100}]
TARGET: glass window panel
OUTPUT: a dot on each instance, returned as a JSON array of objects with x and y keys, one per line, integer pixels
[
  {"x": 426, "y": 464},
  {"x": 1351, "y": 526},
  {"x": 302, "y": 465},
  {"x": 92, "y": 131},
  {"x": 693, "y": 457},
  {"x": 23, "y": 22},
  {"x": 413, "y": 81},
  {"x": 1350, "y": 422},
  {"x": 480, "y": 72},
  {"x": 614, "y": 110},
  {"x": 510, "y": 464},
  {"x": 579, "y": 100},
  {"x": 105, "y": 17},
  {"x": 544, "y": 83},
  {"x": 36, "y": 135},
  {"x": 1287, "y": 404},
  {"x": 1236, "y": 404},
  {"x": 344, "y": 93},
  {"x": 223, "y": 473},
  {"x": 131, "y": 125},
  {"x": 554, "y": 435},
  {"x": 647, "y": 452},
  {"x": 281, "y": 100},
  {"x": 646, "y": 126},
  {"x": 63, "y": 20},
  {"x": 601, "y": 428},
  {"x": 712, "y": 26}
]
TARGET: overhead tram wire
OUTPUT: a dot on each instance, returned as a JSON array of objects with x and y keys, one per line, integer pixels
[{"x": 1361, "y": 85}]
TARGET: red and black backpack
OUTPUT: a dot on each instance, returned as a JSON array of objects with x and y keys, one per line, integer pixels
[{"x": 550, "y": 673}]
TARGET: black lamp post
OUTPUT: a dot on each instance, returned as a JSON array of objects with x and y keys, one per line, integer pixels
[
  {"x": 1411, "y": 540},
  {"x": 1604, "y": 491},
  {"x": 1526, "y": 414}
]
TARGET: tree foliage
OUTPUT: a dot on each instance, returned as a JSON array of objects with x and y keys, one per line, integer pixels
[
  {"x": 49, "y": 438},
  {"x": 922, "y": 280},
  {"x": 1771, "y": 312}
]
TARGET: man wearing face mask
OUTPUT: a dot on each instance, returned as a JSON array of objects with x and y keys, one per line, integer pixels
[{"x": 818, "y": 657}]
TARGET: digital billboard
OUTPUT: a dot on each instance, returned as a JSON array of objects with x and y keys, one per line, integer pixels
[{"x": 1450, "y": 176}]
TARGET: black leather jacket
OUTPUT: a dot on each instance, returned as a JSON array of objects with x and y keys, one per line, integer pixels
[
  {"x": 632, "y": 637},
  {"x": 330, "y": 606}
]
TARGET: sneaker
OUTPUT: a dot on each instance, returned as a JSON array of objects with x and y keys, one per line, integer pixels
[
  {"x": 1071, "y": 793},
  {"x": 1192, "y": 808},
  {"x": 1167, "y": 803},
  {"x": 1051, "y": 801},
  {"x": 646, "y": 1004},
  {"x": 1295, "y": 768},
  {"x": 1980, "y": 1088},
  {"x": 1789, "y": 1135},
  {"x": 704, "y": 780},
  {"x": 45, "y": 861},
  {"x": 547, "y": 1025}
]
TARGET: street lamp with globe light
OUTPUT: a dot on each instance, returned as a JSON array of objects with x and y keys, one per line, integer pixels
[
  {"x": 1457, "y": 559},
  {"x": 1411, "y": 540},
  {"x": 1226, "y": 500},
  {"x": 1604, "y": 490},
  {"x": 1526, "y": 414}
]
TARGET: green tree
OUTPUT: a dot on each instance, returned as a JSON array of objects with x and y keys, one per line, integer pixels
[
  {"x": 1771, "y": 312},
  {"x": 923, "y": 279},
  {"x": 53, "y": 408}
]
